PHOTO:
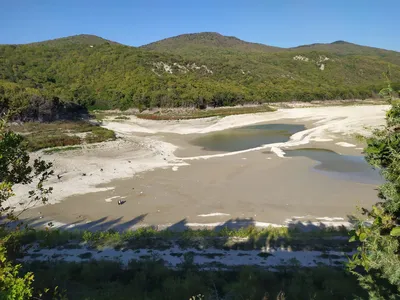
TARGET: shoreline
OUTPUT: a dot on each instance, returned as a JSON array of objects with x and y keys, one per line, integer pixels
[
  {"x": 146, "y": 145},
  {"x": 191, "y": 113}
]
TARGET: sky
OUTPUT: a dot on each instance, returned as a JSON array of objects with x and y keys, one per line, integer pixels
[{"x": 283, "y": 23}]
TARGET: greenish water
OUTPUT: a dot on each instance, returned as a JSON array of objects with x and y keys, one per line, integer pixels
[
  {"x": 247, "y": 137},
  {"x": 346, "y": 167}
]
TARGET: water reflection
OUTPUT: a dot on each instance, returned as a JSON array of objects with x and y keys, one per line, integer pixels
[
  {"x": 247, "y": 137},
  {"x": 347, "y": 167}
]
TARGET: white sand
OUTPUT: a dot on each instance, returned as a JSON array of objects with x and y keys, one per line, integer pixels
[
  {"x": 110, "y": 199},
  {"x": 331, "y": 219},
  {"x": 82, "y": 170},
  {"x": 278, "y": 151},
  {"x": 340, "y": 119},
  {"x": 132, "y": 154},
  {"x": 213, "y": 215},
  {"x": 344, "y": 144}
]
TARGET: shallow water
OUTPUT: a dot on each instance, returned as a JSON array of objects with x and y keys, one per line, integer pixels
[
  {"x": 248, "y": 137},
  {"x": 347, "y": 167}
]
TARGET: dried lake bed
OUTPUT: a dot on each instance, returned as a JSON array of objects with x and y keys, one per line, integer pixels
[{"x": 268, "y": 169}]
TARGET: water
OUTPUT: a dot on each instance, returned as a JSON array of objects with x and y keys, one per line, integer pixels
[
  {"x": 247, "y": 137},
  {"x": 346, "y": 167}
]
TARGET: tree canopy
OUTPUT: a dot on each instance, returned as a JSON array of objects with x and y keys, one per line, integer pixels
[
  {"x": 189, "y": 71},
  {"x": 378, "y": 255}
]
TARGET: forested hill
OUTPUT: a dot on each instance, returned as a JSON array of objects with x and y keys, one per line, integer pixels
[
  {"x": 188, "y": 70},
  {"x": 80, "y": 39},
  {"x": 346, "y": 48},
  {"x": 187, "y": 43}
]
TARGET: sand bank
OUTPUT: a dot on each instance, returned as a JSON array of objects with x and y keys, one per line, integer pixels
[{"x": 340, "y": 119}]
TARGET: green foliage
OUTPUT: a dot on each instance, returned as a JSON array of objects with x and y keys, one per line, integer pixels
[
  {"x": 240, "y": 239},
  {"x": 81, "y": 39},
  {"x": 12, "y": 285},
  {"x": 189, "y": 43},
  {"x": 57, "y": 134},
  {"x": 56, "y": 150},
  {"x": 202, "y": 70},
  {"x": 122, "y": 118},
  {"x": 152, "y": 280},
  {"x": 169, "y": 114},
  {"x": 16, "y": 168},
  {"x": 378, "y": 254}
]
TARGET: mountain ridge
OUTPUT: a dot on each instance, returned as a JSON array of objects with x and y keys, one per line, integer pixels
[
  {"x": 211, "y": 39},
  {"x": 195, "y": 70},
  {"x": 216, "y": 35},
  {"x": 84, "y": 39},
  {"x": 219, "y": 39}
]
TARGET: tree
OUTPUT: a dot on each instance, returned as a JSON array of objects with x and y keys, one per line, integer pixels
[
  {"x": 16, "y": 168},
  {"x": 377, "y": 262}
]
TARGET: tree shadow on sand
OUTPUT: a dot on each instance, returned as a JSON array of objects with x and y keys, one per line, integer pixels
[
  {"x": 102, "y": 224},
  {"x": 242, "y": 234},
  {"x": 239, "y": 234}
]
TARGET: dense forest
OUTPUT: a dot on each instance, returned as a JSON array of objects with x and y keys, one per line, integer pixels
[{"x": 186, "y": 71}]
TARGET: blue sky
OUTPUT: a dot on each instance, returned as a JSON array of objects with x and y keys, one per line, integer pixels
[{"x": 283, "y": 23}]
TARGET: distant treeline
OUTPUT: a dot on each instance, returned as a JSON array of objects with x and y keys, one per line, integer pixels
[
  {"x": 27, "y": 105},
  {"x": 42, "y": 81}
]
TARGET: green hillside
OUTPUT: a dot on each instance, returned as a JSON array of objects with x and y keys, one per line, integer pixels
[
  {"x": 345, "y": 48},
  {"x": 80, "y": 39},
  {"x": 205, "y": 41},
  {"x": 188, "y": 70}
]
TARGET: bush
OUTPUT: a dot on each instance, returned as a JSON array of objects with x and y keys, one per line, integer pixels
[{"x": 152, "y": 280}]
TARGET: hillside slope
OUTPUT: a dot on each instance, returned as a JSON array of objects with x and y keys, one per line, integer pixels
[
  {"x": 80, "y": 39},
  {"x": 346, "y": 48},
  {"x": 97, "y": 73},
  {"x": 205, "y": 41}
]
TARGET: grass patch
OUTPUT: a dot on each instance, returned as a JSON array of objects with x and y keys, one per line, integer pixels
[
  {"x": 121, "y": 118},
  {"x": 185, "y": 114},
  {"x": 62, "y": 135},
  {"x": 243, "y": 239},
  {"x": 63, "y": 149}
]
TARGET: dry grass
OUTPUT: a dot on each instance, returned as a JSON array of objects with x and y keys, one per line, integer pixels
[{"x": 60, "y": 134}]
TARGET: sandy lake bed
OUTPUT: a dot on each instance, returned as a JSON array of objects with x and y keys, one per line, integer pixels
[{"x": 167, "y": 180}]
